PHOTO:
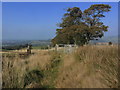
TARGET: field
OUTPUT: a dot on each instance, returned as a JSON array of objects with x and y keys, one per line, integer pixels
[{"x": 86, "y": 67}]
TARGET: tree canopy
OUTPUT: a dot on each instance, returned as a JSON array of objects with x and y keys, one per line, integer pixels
[{"x": 79, "y": 27}]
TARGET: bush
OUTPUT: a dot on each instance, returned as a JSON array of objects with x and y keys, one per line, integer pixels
[{"x": 34, "y": 76}]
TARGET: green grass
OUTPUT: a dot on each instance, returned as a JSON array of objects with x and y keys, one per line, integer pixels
[
  {"x": 5, "y": 50},
  {"x": 36, "y": 47},
  {"x": 40, "y": 47}
]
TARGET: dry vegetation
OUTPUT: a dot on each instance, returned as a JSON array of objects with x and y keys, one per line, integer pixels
[{"x": 87, "y": 67}]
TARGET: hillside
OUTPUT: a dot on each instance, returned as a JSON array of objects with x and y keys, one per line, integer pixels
[{"x": 86, "y": 67}]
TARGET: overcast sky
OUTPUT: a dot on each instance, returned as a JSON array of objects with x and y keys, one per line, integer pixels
[{"x": 37, "y": 20}]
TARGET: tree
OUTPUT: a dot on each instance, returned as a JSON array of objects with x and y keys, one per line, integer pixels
[
  {"x": 92, "y": 17},
  {"x": 79, "y": 27}
]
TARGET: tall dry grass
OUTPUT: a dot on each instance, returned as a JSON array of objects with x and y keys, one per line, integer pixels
[
  {"x": 15, "y": 69},
  {"x": 90, "y": 67},
  {"x": 87, "y": 67}
]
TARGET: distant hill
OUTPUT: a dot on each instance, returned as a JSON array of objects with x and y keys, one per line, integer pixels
[
  {"x": 23, "y": 42},
  {"x": 113, "y": 39},
  {"x": 40, "y": 42}
]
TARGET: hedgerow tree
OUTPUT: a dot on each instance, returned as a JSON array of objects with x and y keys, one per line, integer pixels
[{"x": 79, "y": 27}]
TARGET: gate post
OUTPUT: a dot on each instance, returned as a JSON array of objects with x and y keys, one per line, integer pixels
[
  {"x": 56, "y": 47},
  {"x": 29, "y": 49}
]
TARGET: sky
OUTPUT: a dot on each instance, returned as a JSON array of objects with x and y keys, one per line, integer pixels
[{"x": 38, "y": 20}]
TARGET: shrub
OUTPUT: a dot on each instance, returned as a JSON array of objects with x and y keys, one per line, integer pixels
[{"x": 34, "y": 76}]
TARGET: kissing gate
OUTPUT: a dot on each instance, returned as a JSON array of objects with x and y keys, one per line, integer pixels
[{"x": 67, "y": 48}]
